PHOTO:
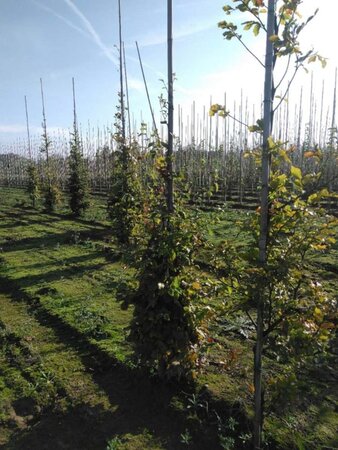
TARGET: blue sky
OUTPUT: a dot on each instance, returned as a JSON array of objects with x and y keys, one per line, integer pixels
[{"x": 61, "y": 39}]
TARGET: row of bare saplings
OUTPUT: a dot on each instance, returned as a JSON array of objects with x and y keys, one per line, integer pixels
[{"x": 211, "y": 177}]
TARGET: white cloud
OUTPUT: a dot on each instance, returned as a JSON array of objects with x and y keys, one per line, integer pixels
[{"x": 136, "y": 84}]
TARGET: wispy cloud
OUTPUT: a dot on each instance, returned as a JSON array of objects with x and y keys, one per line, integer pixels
[
  {"x": 91, "y": 30},
  {"x": 88, "y": 29},
  {"x": 178, "y": 33},
  {"x": 62, "y": 18}
]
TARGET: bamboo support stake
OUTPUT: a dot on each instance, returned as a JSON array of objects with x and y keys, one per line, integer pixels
[
  {"x": 28, "y": 133},
  {"x": 146, "y": 88},
  {"x": 127, "y": 91},
  {"x": 170, "y": 186}
]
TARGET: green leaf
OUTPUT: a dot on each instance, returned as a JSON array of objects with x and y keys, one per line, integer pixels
[
  {"x": 247, "y": 25},
  {"x": 256, "y": 29}
]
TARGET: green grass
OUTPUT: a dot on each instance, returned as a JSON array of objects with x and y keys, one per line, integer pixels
[{"x": 65, "y": 366}]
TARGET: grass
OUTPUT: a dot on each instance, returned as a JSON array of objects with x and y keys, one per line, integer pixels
[{"x": 65, "y": 367}]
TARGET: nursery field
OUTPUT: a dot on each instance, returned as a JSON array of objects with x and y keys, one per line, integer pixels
[{"x": 67, "y": 377}]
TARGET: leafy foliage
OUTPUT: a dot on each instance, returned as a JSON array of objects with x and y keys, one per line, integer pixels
[
  {"x": 52, "y": 196},
  {"x": 33, "y": 187},
  {"x": 78, "y": 177},
  {"x": 169, "y": 316},
  {"x": 298, "y": 314},
  {"x": 50, "y": 188},
  {"x": 124, "y": 199}
]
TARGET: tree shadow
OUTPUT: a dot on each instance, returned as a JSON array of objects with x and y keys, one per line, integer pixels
[
  {"x": 72, "y": 261},
  {"x": 138, "y": 402},
  {"x": 49, "y": 240},
  {"x": 74, "y": 271}
]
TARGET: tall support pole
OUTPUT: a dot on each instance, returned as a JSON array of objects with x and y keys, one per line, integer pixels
[
  {"x": 147, "y": 92},
  {"x": 46, "y": 142},
  {"x": 333, "y": 121},
  {"x": 123, "y": 121},
  {"x": 74, "y": 109},
  {"x": 127, "y": 91},
  {"x": 264, "y": 222},
  {"x": 321, "y": 142},
  {"x": 300, "y": 117},
  {"x": 28, "y": 133},
  {"x": 170, "y": 185}
]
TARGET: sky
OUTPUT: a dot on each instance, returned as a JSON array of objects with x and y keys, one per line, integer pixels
[{"x": 59, "y": 39}]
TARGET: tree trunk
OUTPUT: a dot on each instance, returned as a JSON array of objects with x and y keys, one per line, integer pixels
[{"x": 264, "y": 220}]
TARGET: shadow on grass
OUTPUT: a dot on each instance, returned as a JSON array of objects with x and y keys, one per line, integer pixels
[
  {"x": 138, "y": 403},
  {"x": 59, "y": 274},
  {"x": 72, "y": 261},
  {"x": 41, "y": 216},
  {"x": 50, "y": 240}
]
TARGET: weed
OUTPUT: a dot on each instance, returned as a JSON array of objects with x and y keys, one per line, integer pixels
[
  {"x": 91, "y": 323},
  {"x": 186, "y": 437},
  {"x": 114, "y": 444}
]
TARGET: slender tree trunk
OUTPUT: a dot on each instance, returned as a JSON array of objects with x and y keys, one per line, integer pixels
[{"x": 264, "y": 220}]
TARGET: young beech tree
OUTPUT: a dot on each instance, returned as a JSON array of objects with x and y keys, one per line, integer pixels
[
  {"x": 78, "y": 174},
  {"x": 50, "y": 189},
  {"x": 283, "y": 28},
  {"x": 170, "y": 310},
  {"x": 124, "y": 200},
  {"x": 33, "y": 186},
  {"x": 168, "y": 326},
  {"x": 124, "y": 197}
]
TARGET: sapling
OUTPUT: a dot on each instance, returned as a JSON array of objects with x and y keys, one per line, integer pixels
[
  {"x": 168, "y": 324},
  {"x": 33, "y": 186},
  {"x": 78, "y": 176},
  {"x": 282, "y": 33},
  {"x": 50, "y": 188}
]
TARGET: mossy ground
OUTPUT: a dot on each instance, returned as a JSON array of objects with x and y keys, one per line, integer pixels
[{"x": 66, "y": 378}]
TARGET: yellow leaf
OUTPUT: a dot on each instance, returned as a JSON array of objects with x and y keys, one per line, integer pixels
[
  {"x": 296, "y": 172},
  {"x": 271, "y": 143},
  {"x": 317, "y": 313}
]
